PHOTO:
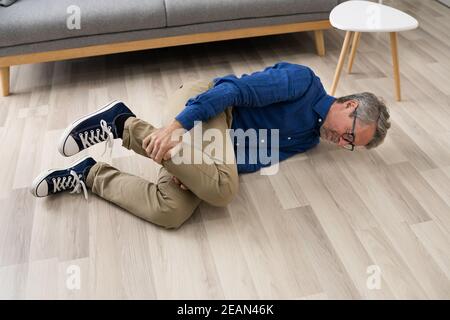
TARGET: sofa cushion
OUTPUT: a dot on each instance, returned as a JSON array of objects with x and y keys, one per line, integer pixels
[
  {"x": 184, "y": 12},
  {"x": 6, "y": 3},
  {"x": 108, "y": 38},
  {"x": 30, "y": 21}
]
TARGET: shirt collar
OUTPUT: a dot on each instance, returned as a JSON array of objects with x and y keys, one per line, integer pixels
[{"x": 323, "y": 106}]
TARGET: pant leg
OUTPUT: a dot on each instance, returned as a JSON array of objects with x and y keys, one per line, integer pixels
[
  {"x": 215, "y": 182},
  {"x": 175, "y": 104},
  {"x": 163, "y": 203}
]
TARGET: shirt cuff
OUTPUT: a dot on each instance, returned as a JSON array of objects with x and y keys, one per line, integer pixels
[{"x": 186, "y": 118}]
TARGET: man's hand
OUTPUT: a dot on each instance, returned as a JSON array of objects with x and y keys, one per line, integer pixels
[{"x": 158, "y": 143}]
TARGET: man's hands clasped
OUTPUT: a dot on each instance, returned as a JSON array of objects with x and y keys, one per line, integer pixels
[{"x": 158, "y": 144}]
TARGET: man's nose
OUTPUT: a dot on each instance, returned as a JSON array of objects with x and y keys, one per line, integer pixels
[{"x": 342, "y": 142}]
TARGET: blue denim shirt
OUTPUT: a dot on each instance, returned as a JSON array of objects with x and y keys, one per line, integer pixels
[{"x": 288, "y": 97}]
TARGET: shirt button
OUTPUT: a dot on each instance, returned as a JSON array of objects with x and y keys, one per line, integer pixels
[
  {"x": 289, "y": 138},
  {"x": 237, "y": 144},
  {"x": 320, "y": 119},
  {"x": 262, "y": 140}
]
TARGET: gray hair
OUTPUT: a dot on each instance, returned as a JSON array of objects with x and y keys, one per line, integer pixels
[{"x": 371, "y": 109}]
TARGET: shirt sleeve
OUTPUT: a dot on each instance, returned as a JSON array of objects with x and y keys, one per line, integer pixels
[{"x": 280, "y": 82}]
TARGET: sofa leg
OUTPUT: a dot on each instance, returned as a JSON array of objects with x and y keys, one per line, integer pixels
[
  {"x": 4, "y": 76},
  {"x": 320, "y": 43}
]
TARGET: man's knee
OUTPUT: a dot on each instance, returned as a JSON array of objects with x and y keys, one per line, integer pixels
[
  {"x": 197, "y": 86},
  {"x": 182, "y": 94},
  {"x": 225, "y": 192},
  {"x": 171, "y": 217},
  {"x": 171, "y": 206}
]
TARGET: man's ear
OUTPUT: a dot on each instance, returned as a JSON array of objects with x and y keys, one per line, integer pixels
[{"x": 351, "y": 104}]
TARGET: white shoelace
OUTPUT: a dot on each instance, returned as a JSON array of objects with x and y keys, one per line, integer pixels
[
  {"x": 73, "y": 181},
  {"x": 91, "y": 137}
]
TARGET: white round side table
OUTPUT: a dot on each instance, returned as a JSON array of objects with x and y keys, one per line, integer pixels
[{"x": 364, "y": 16}]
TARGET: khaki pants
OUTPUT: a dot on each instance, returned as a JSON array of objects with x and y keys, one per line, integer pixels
[{"x": 164, "y": 203}]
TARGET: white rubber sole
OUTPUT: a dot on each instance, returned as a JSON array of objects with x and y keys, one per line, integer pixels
[
  {"x": 69, "y": 129},
  {"x": 38, "y": 180}
]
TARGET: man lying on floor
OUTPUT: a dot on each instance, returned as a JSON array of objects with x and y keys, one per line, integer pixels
[{"x": 286, "y": 98}]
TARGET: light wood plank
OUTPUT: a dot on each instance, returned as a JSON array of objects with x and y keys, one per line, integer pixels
[
  {"x": 401, "y": 280},
  {"x": 280, "y": 229},
  {"x": 424, "y": 193},
  {"x": 436, "y": 241},
  {"x": 348, "y": 247},
  {"x": 331, "y": 272},
  {"x": 16, "y": 223},
  {"x": 271, "y": 275},
  {"x": 13, "y": 281},
  {"x": 309, "y": 232},
  {"x": 229, "y": 258},
  {"x": 42, "y": 280}
]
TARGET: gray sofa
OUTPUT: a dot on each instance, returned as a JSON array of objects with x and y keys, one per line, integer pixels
[{"x": 33, "y": 31}]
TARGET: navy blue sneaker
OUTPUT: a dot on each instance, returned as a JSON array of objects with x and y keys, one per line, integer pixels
[
  {"x": 99, "y": 126},
  {"x": 58, "y": 180}
]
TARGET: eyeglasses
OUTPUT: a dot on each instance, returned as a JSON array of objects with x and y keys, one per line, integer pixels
[{"x": 350, "y": 137}]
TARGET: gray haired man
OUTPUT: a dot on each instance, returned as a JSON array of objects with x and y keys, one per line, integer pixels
[{"x": 287, "y": 98}]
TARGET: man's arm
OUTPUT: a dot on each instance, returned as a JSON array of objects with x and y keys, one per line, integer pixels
[{"x": 281, "y": 82}]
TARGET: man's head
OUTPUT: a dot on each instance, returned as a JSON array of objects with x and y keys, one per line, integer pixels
[{"x": 370, "y": 125}]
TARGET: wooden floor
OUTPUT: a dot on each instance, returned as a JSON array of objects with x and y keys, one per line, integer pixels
[{"x": 316, "y": 230}]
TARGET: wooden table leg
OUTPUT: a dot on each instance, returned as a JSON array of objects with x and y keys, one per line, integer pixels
[
  {"x": 394, "y": 51},
  {"x": 4, "y": 77},
  {"x": 353, "y": 51},
  {"x": 340, "y": 64},
  {"x": 320, "y": 43}
]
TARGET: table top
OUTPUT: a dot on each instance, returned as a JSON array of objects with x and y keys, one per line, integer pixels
[{"x": 366, "y": 16}]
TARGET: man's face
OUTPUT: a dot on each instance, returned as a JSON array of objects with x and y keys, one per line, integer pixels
[{"x": 339, "y": 123}]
